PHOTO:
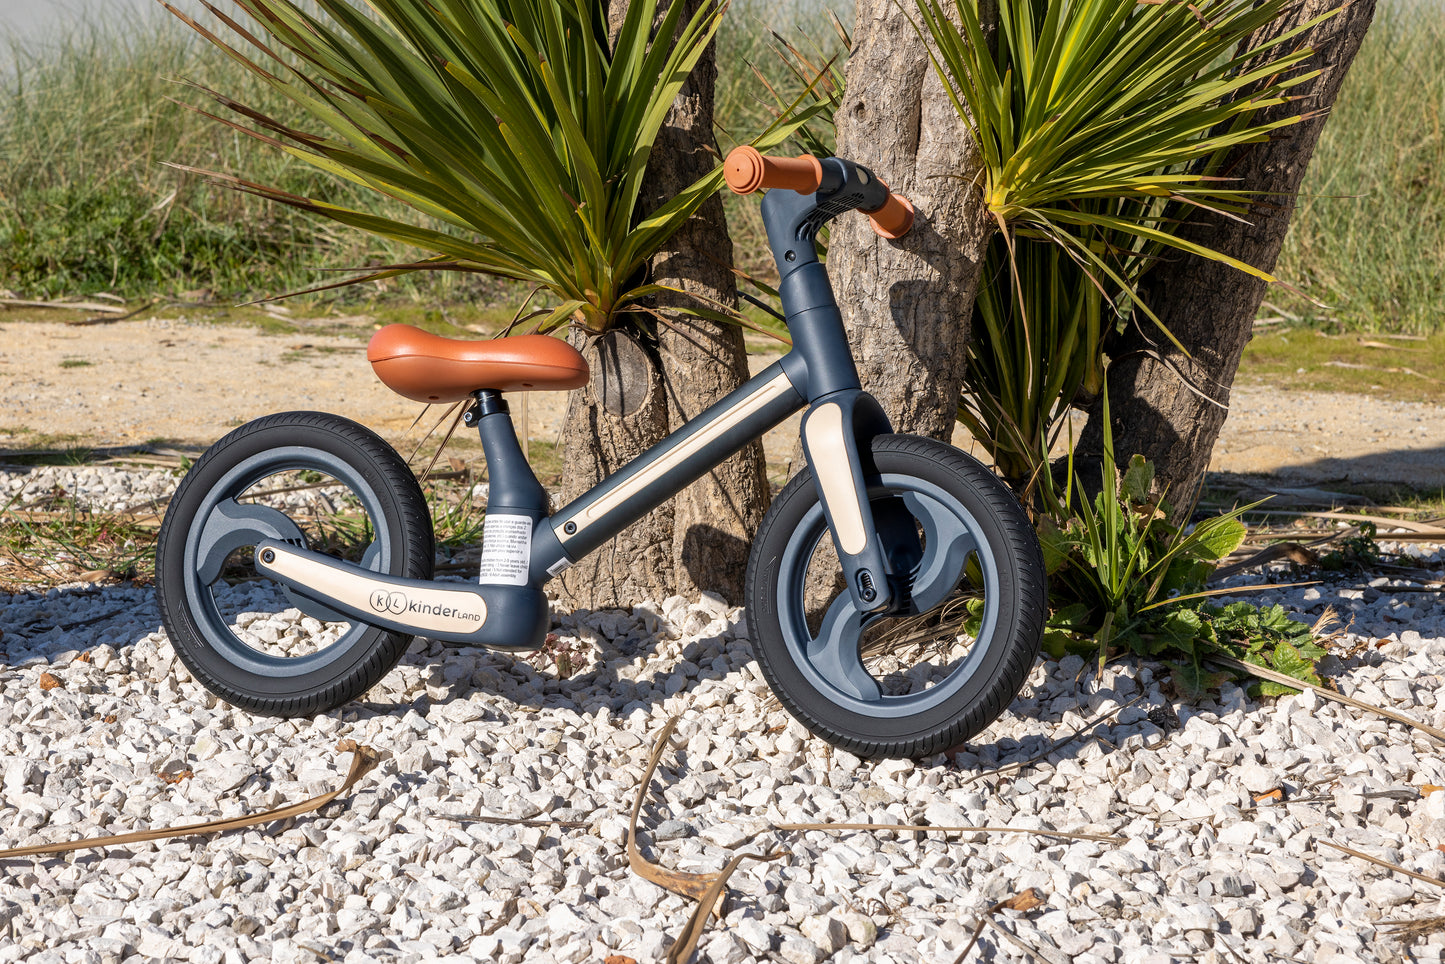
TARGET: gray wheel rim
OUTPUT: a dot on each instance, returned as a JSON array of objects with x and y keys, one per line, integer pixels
[
  {"x": 830, "y": 660},
  {"x": 222, "y": 522}
]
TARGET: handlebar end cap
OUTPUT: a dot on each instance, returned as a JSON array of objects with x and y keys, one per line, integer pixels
[
  {"x": 894, "y": 219},
  {"x": 743, "y": 170}
]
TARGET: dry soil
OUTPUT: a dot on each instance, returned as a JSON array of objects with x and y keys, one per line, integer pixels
[{"x": 184, "y": 382}]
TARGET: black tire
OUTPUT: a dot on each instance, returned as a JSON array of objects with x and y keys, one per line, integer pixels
[
  {"x": 373, "y": 512},
  {"x": 972, "y": 552}
]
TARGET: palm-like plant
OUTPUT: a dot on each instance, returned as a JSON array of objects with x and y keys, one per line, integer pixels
[
  {"x": 517, "y": 133},
  {"x": 1101, "y": 124}
]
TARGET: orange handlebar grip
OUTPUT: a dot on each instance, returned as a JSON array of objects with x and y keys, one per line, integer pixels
[
  {"x": 893, "y": 219},
  {"x": 747, "y": 171}
]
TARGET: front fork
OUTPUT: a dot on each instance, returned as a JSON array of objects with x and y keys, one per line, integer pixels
[{"x": 836, "y": 434}]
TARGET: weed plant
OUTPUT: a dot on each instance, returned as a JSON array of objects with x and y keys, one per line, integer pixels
[{"x": 1127, "y": 575}]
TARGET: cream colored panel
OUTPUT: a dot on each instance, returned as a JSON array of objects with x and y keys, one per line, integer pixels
[
  {"x": 828, "y": 458},
  {"x": 767, "y": 393},
  {"x": 436, "y": 610}
]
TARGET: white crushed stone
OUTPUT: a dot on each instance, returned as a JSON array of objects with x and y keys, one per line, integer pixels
[
  {"x": 1205, "y": 873},
  {"x": 98, "y": 486}
]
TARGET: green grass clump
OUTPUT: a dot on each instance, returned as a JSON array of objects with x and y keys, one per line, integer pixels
[
  {"x": 87, "y": 203},
  {"x": 1408, "y": 369},
  {"x": 1368, "y": 237}
]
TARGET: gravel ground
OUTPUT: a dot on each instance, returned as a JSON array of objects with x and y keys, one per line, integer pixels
[{"x": 1201, "y": 871}]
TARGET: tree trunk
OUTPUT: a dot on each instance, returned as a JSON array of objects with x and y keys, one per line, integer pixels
[
  {"x": 619, "y": 414},
  {"x": 644, "y": 388},
  {"x": 713, "y": 519},
  {"x": 907, "y": 303},
  {"x": 1210, "y": 307}
]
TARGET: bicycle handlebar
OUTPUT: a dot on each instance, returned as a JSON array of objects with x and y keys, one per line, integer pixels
[{"x": 747, "y": 171}]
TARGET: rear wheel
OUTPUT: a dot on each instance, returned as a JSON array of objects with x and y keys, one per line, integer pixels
[
  {"x": 969, "y": 586},
  {"x": 314, "y": 480}
]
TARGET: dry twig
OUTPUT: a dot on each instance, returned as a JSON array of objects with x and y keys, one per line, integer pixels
[
  {"x": 1413, "y": 930},
  {"x": 929, "y": 828},
  {"x": 1056, "y": 745},
  {"x": 363, "y": 760},
  {"x": 1278, "y": 677},
  {"x": 1383, "y": 863},
  {"x": 110, "y": 319}
]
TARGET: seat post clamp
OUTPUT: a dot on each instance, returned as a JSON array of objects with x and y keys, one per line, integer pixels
[{"x": 488, "y": 401}]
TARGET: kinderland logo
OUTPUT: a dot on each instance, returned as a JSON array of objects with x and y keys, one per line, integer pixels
[{"x": 398, "y": 604}]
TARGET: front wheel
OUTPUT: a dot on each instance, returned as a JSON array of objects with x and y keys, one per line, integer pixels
[
  {"x": 314, "y": 480},
  {"x": 955, "y": 648}
]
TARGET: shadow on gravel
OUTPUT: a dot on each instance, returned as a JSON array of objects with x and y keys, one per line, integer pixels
[
  {"x": 58, "y": 624},
  {"x": 626, "y": 671}
]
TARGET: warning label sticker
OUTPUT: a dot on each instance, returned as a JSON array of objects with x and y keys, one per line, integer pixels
[{"x": 506, "y": 550}]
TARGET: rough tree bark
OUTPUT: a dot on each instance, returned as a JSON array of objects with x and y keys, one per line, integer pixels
[
  {"x": 643, "y": 388},
  {"x": 906, "y": 303},
  {"x": 1209, "y": 307}
]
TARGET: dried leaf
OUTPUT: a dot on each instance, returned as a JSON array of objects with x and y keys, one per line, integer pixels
[
  {"x": 1270, "y": 796},
  {"x": 691, "y": 933},
  {"x": 82, "y": 658},
  {"x": 110, "y": 718},
  {"x": 706, "y": 889},
  {"x": 175, "y": 776},
  {"x": 49, "y": 682},
  {"x": 618, "y": 959},
  {"x": 1430, "y": 788},
  {"x": 1027, "y": 900},
  {"x": 678, "y": 882}
]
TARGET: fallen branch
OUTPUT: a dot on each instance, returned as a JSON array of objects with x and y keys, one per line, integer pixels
[{"x": 110, "y": 319}]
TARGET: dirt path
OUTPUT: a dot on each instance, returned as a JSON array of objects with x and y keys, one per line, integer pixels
[{"x": 137, "y": 381}]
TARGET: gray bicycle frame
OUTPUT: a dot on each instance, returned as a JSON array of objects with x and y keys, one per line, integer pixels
[{"x": 819, "y": 372}]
